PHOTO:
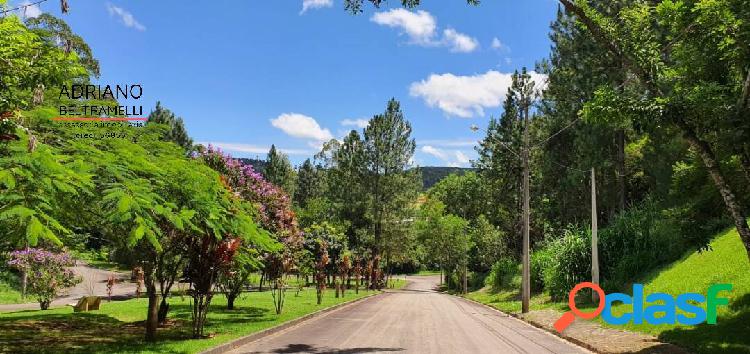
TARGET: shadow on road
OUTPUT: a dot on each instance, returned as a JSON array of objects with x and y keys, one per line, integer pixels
[{"x": 305, "y": 348}]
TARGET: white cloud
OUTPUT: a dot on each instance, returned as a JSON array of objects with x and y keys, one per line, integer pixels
[
  {"x": 420, "y": 26},
  {"x": 359, "y": 123},
  {"x": 499, "y": 46},
  {"x": 29, "y": 11},
  {"x": 451, "y": 158},
  {"x": 127, "y": 18},
  {"x": 459, "y": 42},
  {"x": 467, "y": 96},
  {"x": 427, "y": 149},
  {"x": 301, "y": 126},
  {"x": 449, "y": 143},
  {"x": 253, "y": 149},
  {"x": 461, "y": 158},
  {"x": 315, "y": 4}
]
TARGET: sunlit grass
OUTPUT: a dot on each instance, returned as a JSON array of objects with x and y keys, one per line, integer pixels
[
  {"x": 118, "y": 326},
  {"x": 9, "y": 293},
  {"x": 726, "y": 262}
]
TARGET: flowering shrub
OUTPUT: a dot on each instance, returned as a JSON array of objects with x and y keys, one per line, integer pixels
[
  {"x": 47, "y": 272},
  {"x": 274, "y": 205},
  {"x": 275, "y": 214}
]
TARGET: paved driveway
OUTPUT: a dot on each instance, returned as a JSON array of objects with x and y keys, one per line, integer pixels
[
  {"x": 414, "y": 320},
  {"x": 94, "y": 282}
]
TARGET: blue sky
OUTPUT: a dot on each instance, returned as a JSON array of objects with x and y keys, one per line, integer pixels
[{"x": 246, "y": 74}]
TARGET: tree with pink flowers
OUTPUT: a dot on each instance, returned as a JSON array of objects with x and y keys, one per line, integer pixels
[
  {"x": 48, "y": 272},
  {"x": 275, "y": 214}
]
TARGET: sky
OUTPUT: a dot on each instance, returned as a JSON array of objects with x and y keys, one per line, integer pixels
[{"x": 295, "y": 73}]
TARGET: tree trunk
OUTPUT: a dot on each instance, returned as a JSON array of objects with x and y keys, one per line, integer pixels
[
  {"x": 25, "y": 278},
  {"x": 152, "y": 318},
  {"x": 375, "y": 276},
  {"x": 230, "y": 301},
  {"x": 24, "y": 282},
  {"x": 262, "y": 275},
  {"x": 745, "y": 165},
  {"x": 163, "y": 310},
  {"x": 620, "y": 169},
  {"x": 712, "y": 165},
  {"x": 336, "y": 285}
]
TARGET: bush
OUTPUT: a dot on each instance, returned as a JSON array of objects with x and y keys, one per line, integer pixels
[
  {"x": 47, "y": 272},
  {"x": 634, "y": 243},
  {"x": 476, "y": 280},
  {"x": 566, "y": 262},
  {"x": 637, "y": 241},
  {"x": 540, "y": 260},
  {"x": 502, "y": 274}
]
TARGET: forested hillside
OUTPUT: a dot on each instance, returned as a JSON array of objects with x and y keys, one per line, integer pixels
[{"x": 433, "y": 174}]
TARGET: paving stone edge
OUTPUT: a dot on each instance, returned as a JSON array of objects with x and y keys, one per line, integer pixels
[{"x": 575, "y": 341}]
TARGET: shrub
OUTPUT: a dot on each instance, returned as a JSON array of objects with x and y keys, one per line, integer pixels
[
  {"x": 47, "y": 272},
  {"x": 636, "y": 242},
  {"x": 502, "y": 273},
  {"x": 540, "y": 260},
  {"x": 567, "y": 262}
]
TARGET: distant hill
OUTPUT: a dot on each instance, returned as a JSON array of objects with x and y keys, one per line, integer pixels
[{"x": 432, "y": 174}]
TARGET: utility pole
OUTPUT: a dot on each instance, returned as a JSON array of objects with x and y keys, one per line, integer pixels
[
  {"x": 526, "y": 282},
  {"x": 594, "y": 239},
  {"x": 466, "y": 280}
]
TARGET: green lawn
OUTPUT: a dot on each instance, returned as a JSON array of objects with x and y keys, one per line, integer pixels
[
  {"x": 510, "y": 300},
  {"x": 9, "y": 293},
  {"x": 117, "y": 327},
  {"x": 727, "y": 262}
]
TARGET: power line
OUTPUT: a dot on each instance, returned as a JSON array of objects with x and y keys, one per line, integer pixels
[
  {"x": 556, "y": 133},
  {"x": 22, "y": 6},
  {"x": 566, "y": 167}
]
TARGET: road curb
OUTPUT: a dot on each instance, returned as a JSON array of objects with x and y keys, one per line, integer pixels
[
  {"x": 236, "y": 343},
  {"x": 577, "y": 342},
  {"x": 669, "y": 349}
]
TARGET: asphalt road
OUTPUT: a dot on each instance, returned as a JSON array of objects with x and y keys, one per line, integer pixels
[{"x": 414, "y": 320}]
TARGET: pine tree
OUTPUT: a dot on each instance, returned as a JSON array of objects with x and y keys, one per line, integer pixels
[
  {"x": 279, "y": 170},
  {"x": 309, "y": 183},
  {"x": 176, "y": 132}
]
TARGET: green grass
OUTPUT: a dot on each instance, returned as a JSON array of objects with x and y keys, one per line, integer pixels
[
  {"x": 509, "y": 301},
  {"x": 9, "y": 293},
  {"x": 117, "y": 327},
  {"x": 726, "y": 262}
]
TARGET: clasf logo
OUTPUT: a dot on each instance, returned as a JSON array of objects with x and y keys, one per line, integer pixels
[{"x": 643, "y": 312}]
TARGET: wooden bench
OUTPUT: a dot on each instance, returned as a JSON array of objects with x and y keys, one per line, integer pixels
[{"x": 87, "y": 303}]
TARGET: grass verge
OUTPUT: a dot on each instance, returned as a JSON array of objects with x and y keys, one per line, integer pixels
[
  {"x": 726, "y": 262},
  {"x": 118, "y": 326}
]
